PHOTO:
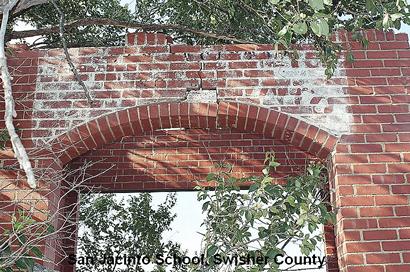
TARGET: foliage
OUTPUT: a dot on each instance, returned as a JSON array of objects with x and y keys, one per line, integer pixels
[
  {"x": 285, "y": 22},
  {"x": 4, "y": 138},
  {"x": 46, "y": 15},
  {"x": 114, "y": 227},
  {"x": 266, "y": 218},
  {"x": 18, "y": 249}
]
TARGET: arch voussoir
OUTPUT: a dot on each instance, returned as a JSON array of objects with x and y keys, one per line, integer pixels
[{"x": 239, "y": 116}]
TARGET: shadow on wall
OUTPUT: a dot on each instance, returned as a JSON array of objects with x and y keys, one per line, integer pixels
[{"x": 175, "y": 159}]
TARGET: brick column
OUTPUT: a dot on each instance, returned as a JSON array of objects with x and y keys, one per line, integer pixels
[{"x": 372, "y": 163}]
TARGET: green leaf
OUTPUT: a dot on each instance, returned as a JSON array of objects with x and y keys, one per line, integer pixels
[
  {"x": 253, "y": 187},
  {"x": 315, "y": 28},
  {"x": 291, "y": 200},
  {"x": 275, "y": 164},
  {"x": 248, "y": 216},
  {"x": 37, "y": 252},
  {"x": 29, "y": 263},
  {"x": 21, "y": 264},
  {"x": 205, "y": 206},
  {"x": 271, "y": 253},
  {"x": 300, "y": 28},
  {"x": 317, "y": 4},
  {"x": 22, "y": 239},
  {"x": 320, "y": 27},
  {"x": 324, "y": 27},
  {"x": 283, "y": 31},
  {"x": 386, "y": 18},
  {"x": 328, "y": 2},
  {"x": 371, "y": 6},
  {"x": 265, "y": 171},
  {"x": 210, "y": 177},
  {"x": 50, "y": 228},
  {"x": 396, "y": 16},
  {"x": 311, "y": 227},
  {"x": 211, "y": 250},
  {"x": 298, "y": 184},
  {"x": 274, "y": 2}
]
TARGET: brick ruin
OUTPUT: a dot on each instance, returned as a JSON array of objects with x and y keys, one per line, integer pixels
[{"x": 163, "y": 112}]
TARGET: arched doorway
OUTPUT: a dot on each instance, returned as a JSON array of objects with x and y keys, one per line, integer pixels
[{"x": 180, "y": 135}]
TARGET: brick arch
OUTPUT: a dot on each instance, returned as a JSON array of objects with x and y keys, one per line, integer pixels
[{"x": 239, "y": 116}]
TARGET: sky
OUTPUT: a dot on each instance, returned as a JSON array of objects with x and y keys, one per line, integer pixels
[{"x": 187, "y": 224}]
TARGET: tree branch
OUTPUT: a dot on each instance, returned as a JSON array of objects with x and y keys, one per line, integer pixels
[
  {"x": 67, "y": 55},
  {"x": 22, "y": 5},
  {"x": 123, "y": 24},
  {"x": 10, "y": 112}
]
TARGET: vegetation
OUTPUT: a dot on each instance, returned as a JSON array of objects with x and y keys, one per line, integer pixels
[
  {"x": 261, "y": 221},
  {"x": 115, "y": 227},
  {"x": 46, "y": 15},
  {"x": 19, "y": 244},
  {"x": 285, "y": 22},
  {"x": 266, "y": 218}
]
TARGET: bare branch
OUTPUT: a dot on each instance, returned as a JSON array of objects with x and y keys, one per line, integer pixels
[
  {"x": 10, "y": 112},
  {"x": 124, "y": 24},
  {"x": 22, "y": 5},
  {"x": 67, "y": 55}
]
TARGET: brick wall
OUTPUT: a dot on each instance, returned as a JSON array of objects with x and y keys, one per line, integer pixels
[
  {"x": 239, "y": 100},
  {"x": 371, "y": 163},
  {"x": 174, "y": 159}
]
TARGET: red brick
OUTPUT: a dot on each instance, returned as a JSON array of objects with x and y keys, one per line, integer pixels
[
  {"x": 366, "y": 148},
  {"x": 369, "y": 168},
  {"x": 367, "y": 268},
  {"x": 380, "y": 118},
  {"x": 398, "y": 268},
  {"x": 355, "y": 259},
  {"x": 392, "y": 157},
  {"x": 373, "y": 190},
  {"x": 366, "y": 128},
  {"x": 354, "y": 223},
  {"x": 363, "y": 246},
  {"x": 352, "y": 235},
  {"x": 349, "y": 212},
  {"x": 357, "y": 201},
  {"x": 395, "y": 128},
  {"x": 394, "y": 222},
  {"x": 398, "y": 168},
  {"x": 391, "y": 200},
  {"x": 402, "y": 211},
  {"x": 376, "y": 211},
  {"x": 394, "y": 45},
  {"x": 396, "y": 245},
  {"x": 380, "y": 235},
  {"x": 368, "y": 63},
  {"x": 383, "y": 258},
  {"x": 382, "y": 137},
  {"x": 375, "y": 99},
  {"x": 354, "y": 179},
  {"x": 401, "y": 189},
  {"x": 388, "y": 179},
  {"x": 176, "y": 48},
  {"x": 351, "y": 158},
  {"x": 393, "y": 108},
  {"x": 397, "y": 147},
  {"x": 404, "y": 233}
]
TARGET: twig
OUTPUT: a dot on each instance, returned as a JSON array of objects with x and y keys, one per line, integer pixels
[
  {"x": 10, "y": 112},
  {"x": 67, "y": 55},
  {"x": 123, "y": 24}
]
